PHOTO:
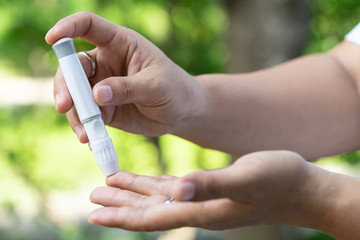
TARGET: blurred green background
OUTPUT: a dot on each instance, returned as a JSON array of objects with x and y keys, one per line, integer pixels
[{"x": 46, "y": 174}]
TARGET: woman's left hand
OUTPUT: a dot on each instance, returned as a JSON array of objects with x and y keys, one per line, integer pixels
[{"x": 259, "y": 188}]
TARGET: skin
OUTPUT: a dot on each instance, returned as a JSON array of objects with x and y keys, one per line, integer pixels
[
  {"x": 309, "y": 105},
  {"x": 301, "y": 194}
]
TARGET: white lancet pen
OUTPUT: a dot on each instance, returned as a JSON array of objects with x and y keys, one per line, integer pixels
[{"x": 86, "y": 108}]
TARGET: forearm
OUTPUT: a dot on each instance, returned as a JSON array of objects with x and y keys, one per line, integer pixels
[
  {"x": 309, "y": 105},
  {"x": 345, "y": 216},
  {"x": 329, "y": 203}
]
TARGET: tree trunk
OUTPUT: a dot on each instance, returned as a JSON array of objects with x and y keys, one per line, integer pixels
[{"x": 264, "y": 33}]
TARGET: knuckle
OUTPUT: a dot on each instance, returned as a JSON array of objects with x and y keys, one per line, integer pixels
[
  {"x": 209, "y": 186},
  {"x": 126, "y": 91},
  {"x": 162, "y": 186},
  {"x": 212, "y": 188},
  {"x": 294, "y": 155},
  {"x": 84, "y": 14},
  {"x": 154, "y": 84},
  {"x": 146, "y": 222}
]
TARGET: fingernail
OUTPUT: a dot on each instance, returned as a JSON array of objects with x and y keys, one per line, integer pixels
[
  {"x": 187, "y": 191},
  {"x": 58, "y": 99},
  {"x": 78, "y": 131},
  {"x": 105, "y": 94}
]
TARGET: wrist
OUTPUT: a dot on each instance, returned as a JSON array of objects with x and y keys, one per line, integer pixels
[
  {"x": 307, "y": 200},
  {"x": 316, "y": 199},
  {"x": 343, "y": 209},
  {"x": 325, "y": 202},
  {"x": 197, "y": 107}
]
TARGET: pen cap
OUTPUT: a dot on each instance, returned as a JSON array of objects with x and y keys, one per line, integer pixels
[
  {"x": 101, "y": 146},
  {"x": 105, "y": 156},
  {"x": 76, "y": 80},
  {"x": 64, "y": 47}
]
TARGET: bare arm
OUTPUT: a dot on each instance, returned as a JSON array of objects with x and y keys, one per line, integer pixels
[
  {"x": 301, "y": 194},
  {"x": 309, "y": 105},
  {"x": 342, "y": 214}
]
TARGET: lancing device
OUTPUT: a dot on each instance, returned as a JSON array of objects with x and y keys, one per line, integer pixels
[{"x": 86, "y": 108}]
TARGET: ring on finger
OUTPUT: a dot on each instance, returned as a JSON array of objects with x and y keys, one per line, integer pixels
[
  {"x": 169, "y": 200},
  {"x": 92, "y": 62}
]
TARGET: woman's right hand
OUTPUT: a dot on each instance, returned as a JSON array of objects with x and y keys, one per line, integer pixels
[{"x": 138, "y": 88}]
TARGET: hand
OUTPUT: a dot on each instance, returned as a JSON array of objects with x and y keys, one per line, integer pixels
[
  {"x": 139, "y": 89},
  {"x": 259, "y": 188}
]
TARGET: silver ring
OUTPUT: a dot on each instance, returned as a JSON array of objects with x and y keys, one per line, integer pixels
[
  {"x": 92, "y": 62},
  {"x": 169, "y": 200}
]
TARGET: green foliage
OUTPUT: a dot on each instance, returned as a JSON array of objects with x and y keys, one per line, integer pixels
[
  {"x": 42, "y": 228},
  {"x": 190, "y": 32},
  {"x": 331, "y": 20},
  {"x": 320, "y": 236}
]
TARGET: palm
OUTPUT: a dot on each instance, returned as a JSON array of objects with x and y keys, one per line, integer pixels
[
  {"x": 141, "y": 207},
  {"x": 249, "y": 192}
]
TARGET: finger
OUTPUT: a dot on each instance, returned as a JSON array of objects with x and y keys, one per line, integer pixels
[
  {"x": 85, "y": 25},
  {"x": 86, "y": 63},
  {"x": 124, "y": 90},
  {"x": 167, "y": 177},
  {"x": 76, "y": 125},
  {"x": 220, "y": 183},
  {"x": 140, "y": 184},
  {"x": 200, "y": 185},
  {"x": 115, "y": 197},
  {"x": 244, "y": 181},
  {"x": 169, "y": 216},
  {"x": 63, "y": 100}
]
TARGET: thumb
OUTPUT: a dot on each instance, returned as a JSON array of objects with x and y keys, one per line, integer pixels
[
  {"x": 204, "y": 185},
  {"x": 246, "y": 179},
  {"x": 121, "y": 90}
]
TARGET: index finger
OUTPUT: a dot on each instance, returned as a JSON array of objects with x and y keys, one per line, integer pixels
[
  {"x": 89, "y": 26},
  {"x": 145, "y": 185}
]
